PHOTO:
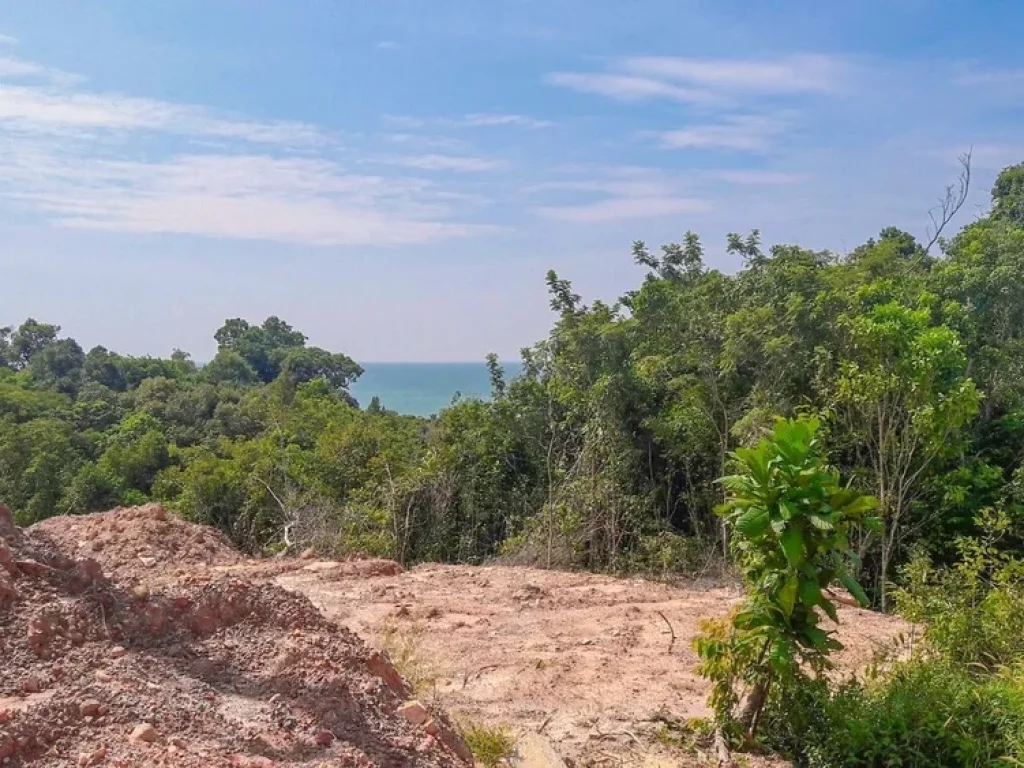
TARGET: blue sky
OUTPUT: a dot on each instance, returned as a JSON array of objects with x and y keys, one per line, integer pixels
[{"x": 394, "y": 177}]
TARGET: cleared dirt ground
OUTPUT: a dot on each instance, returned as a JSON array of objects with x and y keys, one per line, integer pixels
[{"x": 589, "y": 661}]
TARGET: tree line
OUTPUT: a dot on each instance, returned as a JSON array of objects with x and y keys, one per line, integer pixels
[{"x": 604, "y": 448}]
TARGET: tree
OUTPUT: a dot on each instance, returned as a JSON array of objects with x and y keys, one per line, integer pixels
[
  {"x": 31, "y": 337},
  {"x": 59, "y": 365},
  {"x": 902, "y": 392},
  {"x": 791, "y": 520},
  {"x": 1008, "y": 195},
  {"x": 102, "y": 367}
]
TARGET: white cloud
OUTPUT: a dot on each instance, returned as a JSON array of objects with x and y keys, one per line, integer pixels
[
  {"x": 622, "y": 208},
  {"x": 461, "y": 164},
  {"x": 746, "y": 133},
  {"x": 793, "y": 74},
  {"x": 628, "y": 87},
  {"x": 312, "y": 202},
  {"x": 705, "y": 81},
  {"x": 8, "y": 40},
  {"x": 759, "y": 178},
  {"x": 102, "y": 161},
  {"x": 385, "y": 45},
  {"x": 483, "y": 119},
  {"x": 60, "y": 110}
]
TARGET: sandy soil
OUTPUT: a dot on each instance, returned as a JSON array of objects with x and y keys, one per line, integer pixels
[{"x": 587, "y": 660}]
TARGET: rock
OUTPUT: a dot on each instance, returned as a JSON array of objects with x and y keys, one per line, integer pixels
[
  {"x": 95, "y": 757},
  {"x": 140, "y": 592},
  {"x": 89, "y": 708},
  {"x": 414, "y": 712},
  {"x": 534, "y": 751},
  {"x": 308, "y": 554},
  {"x": 117, "y": 652},
  {"x": 149, "y": 562},
  {"x": 324, "y": 739},
  {"x": 143, "y": 732},
  {"x": 102, "y": 676},
  {"x": 431, "y": 727},
  {"x": 7, "y": 746},
  {"x": 31, "y": 685}
]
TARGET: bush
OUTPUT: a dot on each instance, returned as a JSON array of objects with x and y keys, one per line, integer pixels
[
  {"x": 958, "y": 701},
  {"x": 922, "y": 712}
]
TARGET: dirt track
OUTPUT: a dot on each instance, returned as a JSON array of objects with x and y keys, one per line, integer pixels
[{"x": 586, "y": 659}]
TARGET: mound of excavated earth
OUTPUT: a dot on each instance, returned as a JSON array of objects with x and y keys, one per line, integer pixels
[
  {"x": 127, "y": 541},
  {"x": 105, "y": 663}
]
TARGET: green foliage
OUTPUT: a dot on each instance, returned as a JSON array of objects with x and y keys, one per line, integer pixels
[
  {"x": 973, "y": 611},
  {"x": 919, "y": 713},
  {"x": 491, "y": 746},
  {"x": 791, "y": 522},
  {"x": 957, "y": 701}
]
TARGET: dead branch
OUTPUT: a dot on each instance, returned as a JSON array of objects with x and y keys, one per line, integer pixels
[
  {"x": 672, "y": 632},
  {"x": 951, "y": 201}
]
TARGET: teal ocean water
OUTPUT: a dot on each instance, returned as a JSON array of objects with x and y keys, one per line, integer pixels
[{"x": 420, "y": 389}]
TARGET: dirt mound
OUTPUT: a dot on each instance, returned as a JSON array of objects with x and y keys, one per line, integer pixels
[
  {"x": 112, "y": 671},
  {"x": 127, "y": 541}
]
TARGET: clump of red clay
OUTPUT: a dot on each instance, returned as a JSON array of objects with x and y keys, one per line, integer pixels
[{"x": 113, "y": 670}]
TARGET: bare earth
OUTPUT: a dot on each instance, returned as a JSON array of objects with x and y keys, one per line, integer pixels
[
  {"x": 587, "y": 660},
  {"x": 132, "y": 638}
]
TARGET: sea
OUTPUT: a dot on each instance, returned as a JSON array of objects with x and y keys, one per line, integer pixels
[{"x": 420, "y": 389}]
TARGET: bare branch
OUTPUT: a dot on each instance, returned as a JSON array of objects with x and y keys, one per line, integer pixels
[
  {"x": 671, "y": 642},
  {"x": 951, "y": 201}
]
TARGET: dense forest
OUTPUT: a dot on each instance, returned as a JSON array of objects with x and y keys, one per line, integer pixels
[
  {"x": 603, "y": 451},
  {"x": 605, "y": 447}
]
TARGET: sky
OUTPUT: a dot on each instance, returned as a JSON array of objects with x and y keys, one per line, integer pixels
[{"x": 395, "y": 177}]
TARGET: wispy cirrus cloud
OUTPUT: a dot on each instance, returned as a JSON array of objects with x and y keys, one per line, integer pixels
[
  {"x": 624, "y": 193},
  {"x": 624, "y": 208},
  {"x": 249, "y": 197},
  {"x": 457, "y": 163},
  {"x": 629, "y": 88},
  {"x": 120, "y": 163},
  {"x": 751, "y": 133},
  {"x": 706, "y": 81},
  {"x": 485, "y": 119},
  {"x": 757, "y": 178},
  {"x": 8, "y": 40},
  {"x": 792, "y": 74}
]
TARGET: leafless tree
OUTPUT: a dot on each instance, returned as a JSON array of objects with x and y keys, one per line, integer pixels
[{"x": 951, "y": 202}]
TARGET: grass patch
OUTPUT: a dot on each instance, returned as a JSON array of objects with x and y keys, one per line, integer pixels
[
  {"x": 404, "y": 645},
  {"x": 491, "y": 746}
]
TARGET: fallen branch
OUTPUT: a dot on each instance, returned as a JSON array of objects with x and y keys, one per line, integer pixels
[
  {"x": 545, "y": 723},
  {"x": 671, "y": 642}
]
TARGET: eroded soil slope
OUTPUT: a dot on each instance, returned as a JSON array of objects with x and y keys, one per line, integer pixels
[{"x": 117, "y": 661}]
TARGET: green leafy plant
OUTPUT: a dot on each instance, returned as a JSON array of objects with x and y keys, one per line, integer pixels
[{"x": 790, "y": 519}]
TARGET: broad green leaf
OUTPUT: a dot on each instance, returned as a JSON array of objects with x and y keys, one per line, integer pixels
[
  {"x": 810, "y": 591},
  {"x": 830, "y": 610},
  {"x": 854, "y": 588},
  {"x": 792, "y": 542},
  {"x": 787, "y": 595},
  {"x": 753, "y": 523}
]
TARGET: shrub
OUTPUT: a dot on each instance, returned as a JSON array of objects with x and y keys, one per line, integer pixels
[
  {"x": 490, "y": 746},
  {"x": 922, "y": 712}
]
